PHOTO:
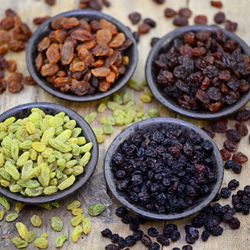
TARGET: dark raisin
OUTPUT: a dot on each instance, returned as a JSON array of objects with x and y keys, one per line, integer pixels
[
  {"x": 185, "y": 12},
  {"x": 219, "y": 17},
  {"x": 233, "y": 135},
  {"x": 231, "y": 26},
  {"x": 233, "y": 184},
  {"x": 169, "y": 12},
  {"x": 154, "y": 246},
  {"x": 200, "y": 20},
  {"x": 229, "y": 164},
  {"x": 150, "y": 22},
  {"x": 175, "y": 236},
  {"x": 234, "y": 223},
  {"x": 153, "y": 232},
  {"x": 146, "y": 241},
  {"x": 241, "y": 128},
  {"x": 180, "y": 21},
  {"x": 240, "y": 157},
  {"x": 163, "y": 240},
  {"x": 220, "y": 126},
  {"x": 134, "y": 17},
  {"x": 237, "y": 168},
  {"x": 225, "y": 193},
  {"x": 205, "y": 235},
  {"x": 112, "y": 247},
  {"x": 187, "y": 247},
  {"x": 230, "y": 145},
  {"x": 143, "y": 28},
  {"x": 243, "y": 115},
  {"x": 106, "y": 233},
  {"x": 226, "y": 155}
]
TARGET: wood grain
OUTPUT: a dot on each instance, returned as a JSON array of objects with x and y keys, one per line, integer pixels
[{"x": 95, "y": 190}]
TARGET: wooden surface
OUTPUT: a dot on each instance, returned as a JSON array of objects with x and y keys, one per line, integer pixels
[{"x": 95, "y": 190}]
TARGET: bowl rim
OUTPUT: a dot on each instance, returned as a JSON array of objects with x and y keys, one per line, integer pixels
[
  {"x": 43, "y": 28},
  {"x": 147, "y": 214},
  {"x": 167, "y": 102},
  {"x": 81, "y": 179}
]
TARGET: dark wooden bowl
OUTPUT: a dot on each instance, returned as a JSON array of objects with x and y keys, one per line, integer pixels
[
  {"x": 52, "y": 109},
  {"x": 45, "y": 29},
  {"x": 155, "y": 123}
]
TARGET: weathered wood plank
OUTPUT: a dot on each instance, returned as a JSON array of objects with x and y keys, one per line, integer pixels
[{"x": 95, "y": 190}]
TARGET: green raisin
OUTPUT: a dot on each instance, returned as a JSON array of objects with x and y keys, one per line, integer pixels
[
  {"x": 56, "y": 224},
  {"x": 22, "y": 231},
  {"x": 4, "y": 202},
  {"x": 96, "y": 209},
  {"x": 76, "y": 234},
  {"x": 74, "y": 204},
  {"x": 11, "y": 217},
  {"x": 19, "y": 243},
  {"x": 60, "y": 240},
  {"x": 86, "y": 226},
  {"x": 36, "y": 221}
]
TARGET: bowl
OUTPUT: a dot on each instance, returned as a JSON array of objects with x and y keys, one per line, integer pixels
[
  {"x": 52, "y": 109},
  {"x": 150, "y": 73},
  {"x": 45, "y": 29},
  {"x": 156, "y": 123}
]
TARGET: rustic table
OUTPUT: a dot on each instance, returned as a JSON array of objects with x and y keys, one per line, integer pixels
[{"x": 95, "y": 189}]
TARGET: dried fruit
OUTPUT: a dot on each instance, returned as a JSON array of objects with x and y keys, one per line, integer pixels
[
  {"x": 191, "y": 58},
  {"x": 74, "y": 204},
  {"x": 200, "y": 20},
  {"x": 89, "y": 58},
  {"x": 56, "y": 224},
  {"x": 150, "y": 147},
  {"x": 216, "y": 4},
  {"x": 134, "y": 17},
  {"x": 36, "y": 221},
  {"x": 96, "y": 209},
  {"x": 76, "y": 234},
  {"x": 240, "y": 158},
  {"x": 22, "y": 231},
  {"x": 180, "y": 21},
  {"x": 36, "y": 143},
  {"x": 169, "y": 13},
  {"x": 60, "y": 240},
  {"x": 86, "y": 226},
  {"x": 219, "y": 17},
  {"x": 4, "y": 202},
  {"x": 19, "y": 243},
  {"x": 41, "y": 242},
  {"x": 11, "y": 217}
]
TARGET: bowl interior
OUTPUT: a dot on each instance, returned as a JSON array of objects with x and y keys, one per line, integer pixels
[
  {"x": 157, "y": 123},
  {"x": 45, "y": 29},
  {"x": 52, "y": 109},
  {"x": 151, "y": 74}
]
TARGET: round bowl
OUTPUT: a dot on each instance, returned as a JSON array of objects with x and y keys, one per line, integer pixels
[
  {"x": 156, "y": 123},
  {"x": 45, "y": 29},
  {"x": 150, "y": 73},
  {"x": 52, "y": 109}
]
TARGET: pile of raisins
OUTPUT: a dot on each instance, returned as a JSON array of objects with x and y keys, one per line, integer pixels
[
  {"x": 165, "y": 170},
  {"x": 82, "y": 57},
  {"x": 230, "y": 154},
  {"x": 203, "y": 71},
  {"x": 152, "y": 240},
  {"x": 14, "y": 35}
]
